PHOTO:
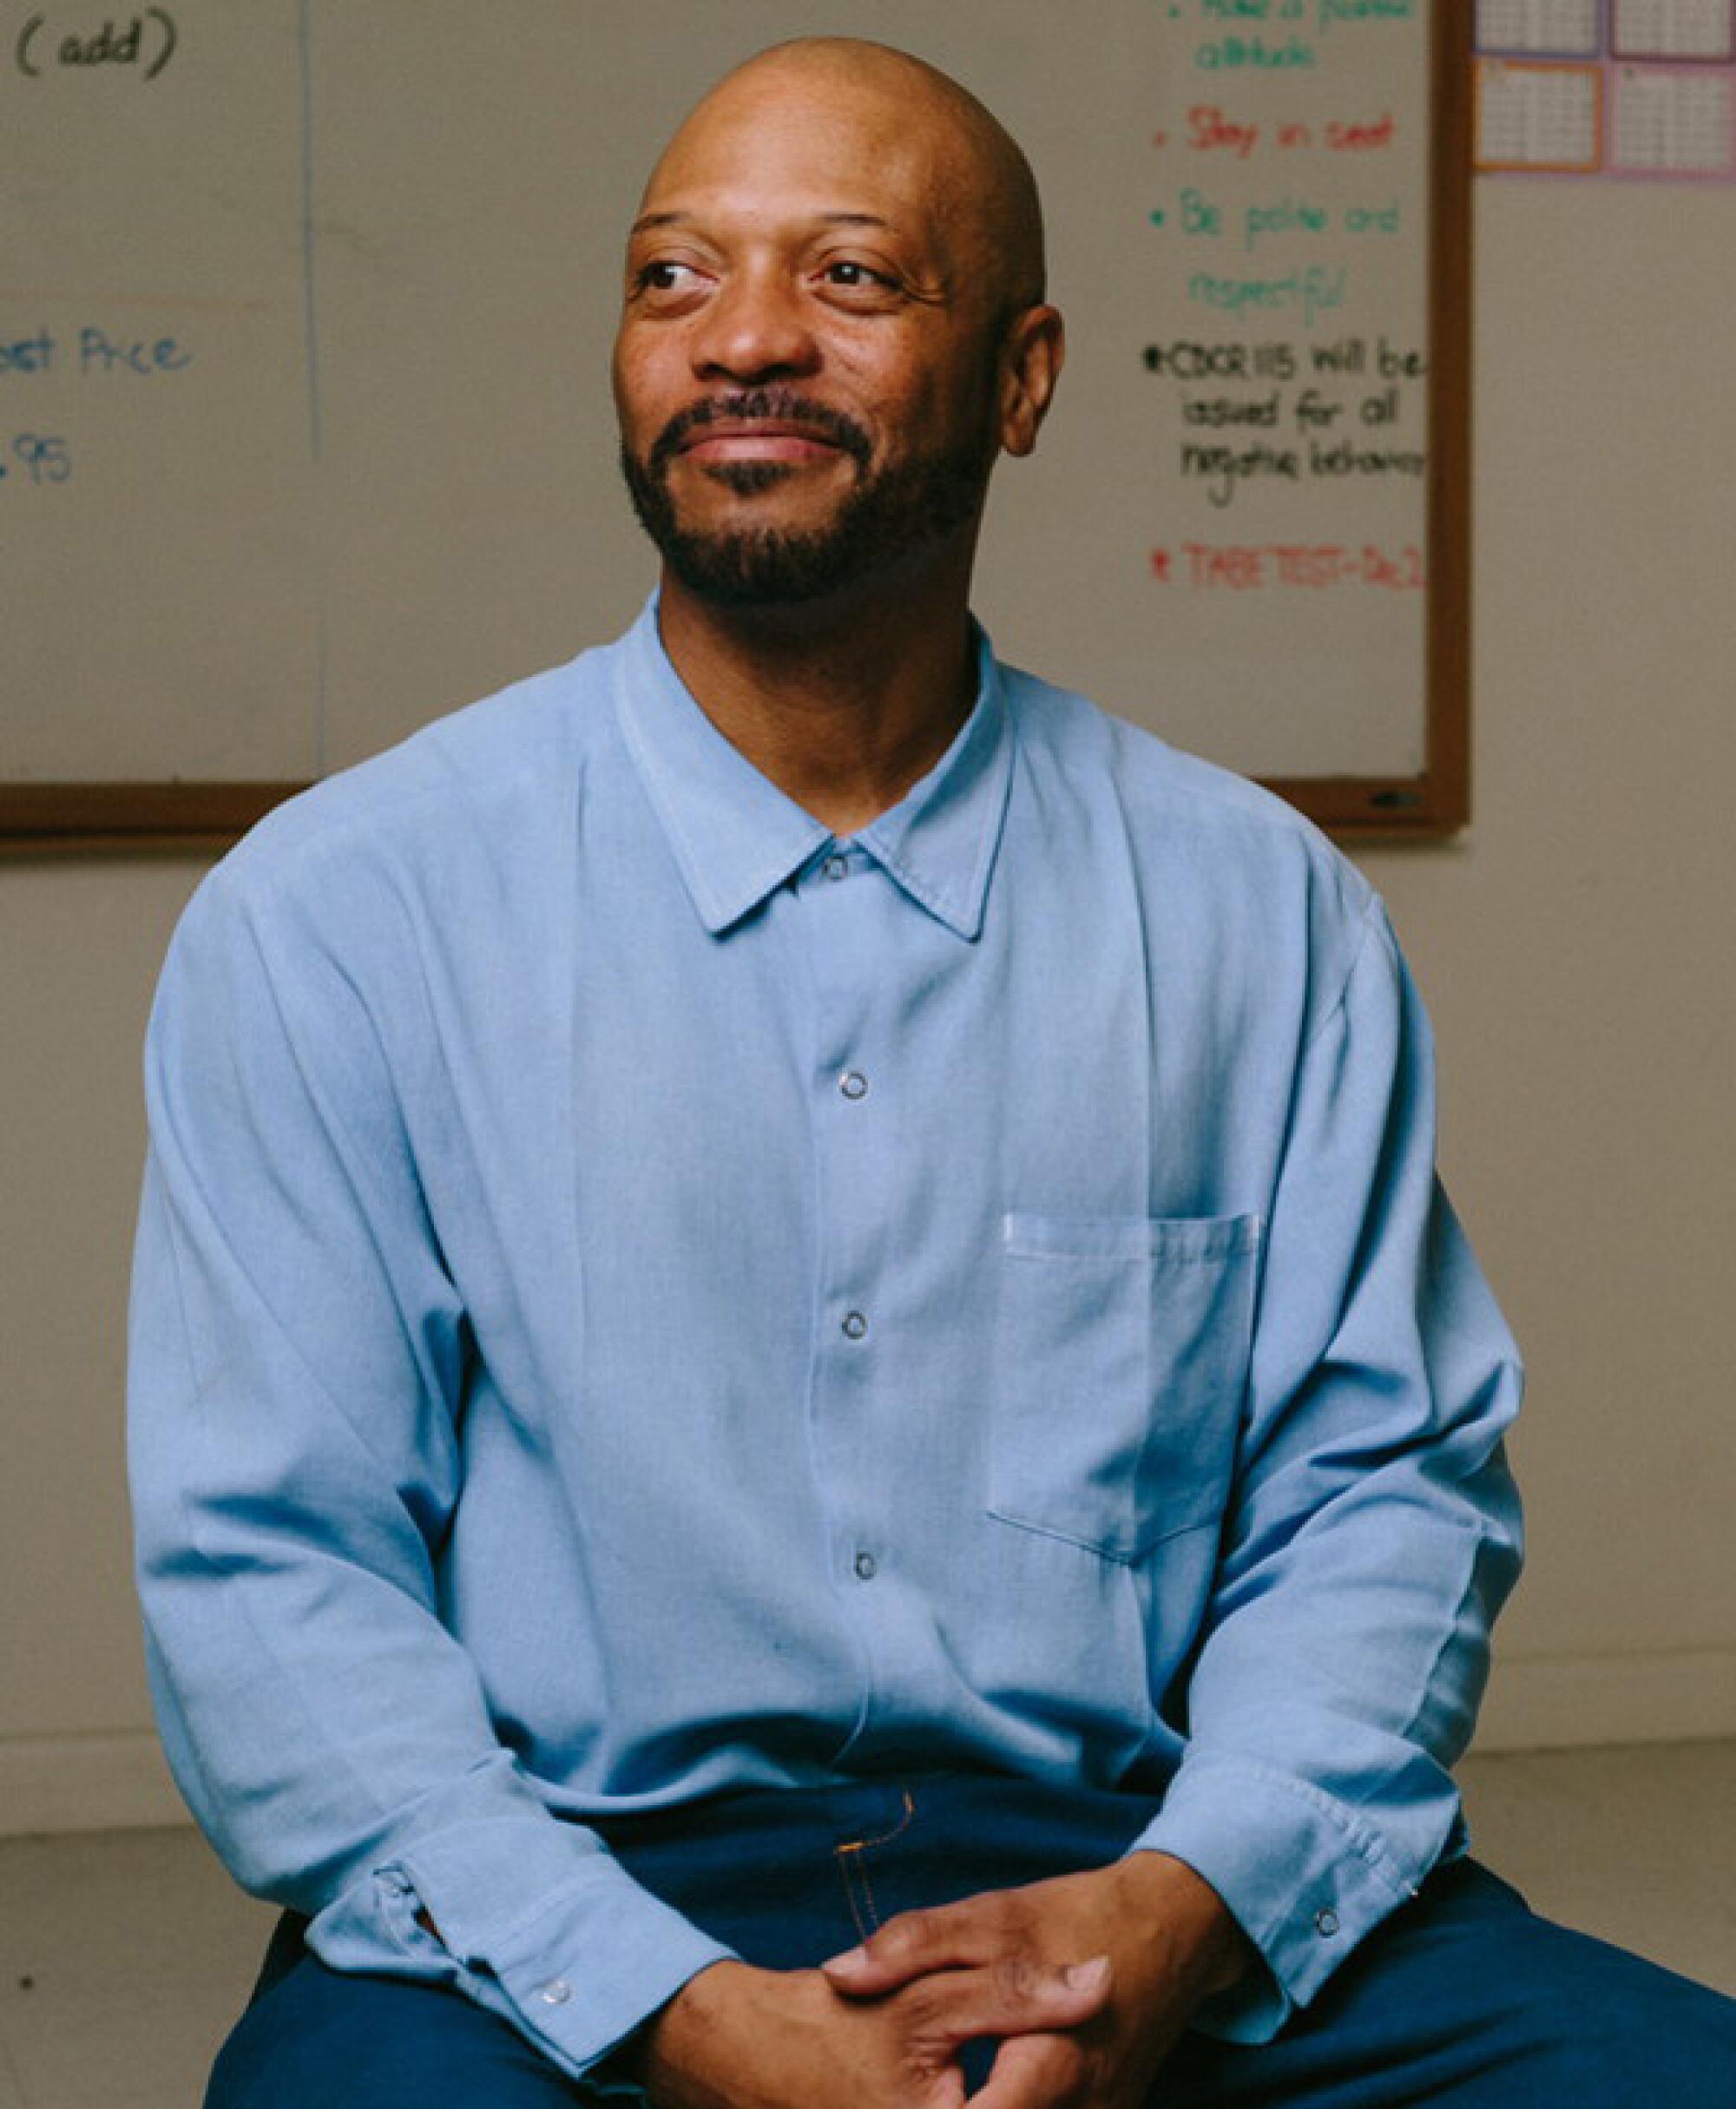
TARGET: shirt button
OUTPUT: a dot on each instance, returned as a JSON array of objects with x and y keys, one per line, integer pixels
[
  {"x": 1326, "y": 1922},
  {"x": 855, "y": 1325},
  {"x": 835, "y": 868},
  {"x": 866, "y": 1567},
  {"x": 853, "y": 1084},
  {"x": 556, "y": 1992}
]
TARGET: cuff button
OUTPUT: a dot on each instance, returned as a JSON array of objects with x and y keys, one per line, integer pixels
[
  {"x": 556, "y": 1992},
  {"x": 1326, "y": 1923}
]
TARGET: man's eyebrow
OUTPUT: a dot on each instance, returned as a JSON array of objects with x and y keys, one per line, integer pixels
[{"x": 647, "y": 220}]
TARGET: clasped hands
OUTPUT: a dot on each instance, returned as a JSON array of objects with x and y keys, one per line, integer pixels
[{"x": 1086, "y": 1981}]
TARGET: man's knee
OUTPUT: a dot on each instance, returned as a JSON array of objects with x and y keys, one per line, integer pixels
[
  {"x": 1652, "y": 2040},
  {"x": 1562, "y": 2018},
  {"x": 323, "y": 2040}
]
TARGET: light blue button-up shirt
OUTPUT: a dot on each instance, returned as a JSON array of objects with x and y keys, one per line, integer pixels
[{"x": 637, "y": 1298}]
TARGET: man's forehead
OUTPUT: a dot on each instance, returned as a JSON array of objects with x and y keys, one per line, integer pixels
[
  {"x": 833, "y": 125},
  {"x": 678, "y": 216},
  {"x": 822, "y": 140}
]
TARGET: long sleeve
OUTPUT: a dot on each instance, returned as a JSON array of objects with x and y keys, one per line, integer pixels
[
  {"x": 299, "y": 1373},
  {"x": 1374, "y": 1531}
]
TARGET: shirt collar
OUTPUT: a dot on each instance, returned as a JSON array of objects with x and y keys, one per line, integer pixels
[{"x": 736, "y": 838}]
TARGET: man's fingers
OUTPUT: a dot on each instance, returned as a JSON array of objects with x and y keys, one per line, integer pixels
[
  {"x": 1032, "y": 2072},
  {"x": 917, "y": 1943},
  {"x": 1013, "y": 1997}
]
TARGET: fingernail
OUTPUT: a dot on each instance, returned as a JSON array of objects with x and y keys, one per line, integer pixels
[
  {"x": 851, "y": 1959},
  {"x": 1086, "y": 1976}
]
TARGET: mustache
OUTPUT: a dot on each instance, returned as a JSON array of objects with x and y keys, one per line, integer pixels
[{"x": 750, "y": 404}]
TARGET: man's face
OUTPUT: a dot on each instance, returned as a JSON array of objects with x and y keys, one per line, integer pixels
[{"x": 807, "y": 367}]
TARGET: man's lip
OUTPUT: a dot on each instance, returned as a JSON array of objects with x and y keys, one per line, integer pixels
[{"x": 760, "y": 435}]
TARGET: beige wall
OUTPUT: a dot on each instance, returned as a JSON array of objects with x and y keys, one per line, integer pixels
[{"x": 1577, "y": 949}]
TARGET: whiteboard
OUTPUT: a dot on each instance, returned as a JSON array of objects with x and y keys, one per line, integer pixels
[{"x": 304, "y": 332}]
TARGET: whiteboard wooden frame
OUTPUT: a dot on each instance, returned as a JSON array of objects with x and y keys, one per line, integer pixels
[{"x": 93, "y": 817}]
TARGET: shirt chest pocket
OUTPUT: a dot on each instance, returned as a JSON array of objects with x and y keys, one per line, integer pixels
[{"x": 1123, "y": 1350}]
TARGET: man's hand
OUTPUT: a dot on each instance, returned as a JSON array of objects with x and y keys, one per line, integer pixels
[
  {"x": 740, "y": 2038},
  {"x": 1169, "y": 1939}
]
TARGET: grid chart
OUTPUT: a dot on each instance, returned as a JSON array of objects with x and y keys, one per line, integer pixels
[{"x": 1614, "y": 88}]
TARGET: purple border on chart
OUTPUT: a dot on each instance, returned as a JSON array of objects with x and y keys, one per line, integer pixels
[
  {"x": 1675, "y": 71},
  {"x": 1603, "y": 33},
  {"x": 1607, "y": 64},
  {"x": 1697, "y": 59}
]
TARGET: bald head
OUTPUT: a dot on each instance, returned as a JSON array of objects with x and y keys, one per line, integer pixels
[{"x": 983, "y": 182}]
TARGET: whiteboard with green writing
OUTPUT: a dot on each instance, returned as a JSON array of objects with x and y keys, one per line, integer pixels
[{"x": 305, "y": 433}]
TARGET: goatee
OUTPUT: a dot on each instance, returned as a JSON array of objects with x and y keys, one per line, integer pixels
[{"x": 880, "y": 519}]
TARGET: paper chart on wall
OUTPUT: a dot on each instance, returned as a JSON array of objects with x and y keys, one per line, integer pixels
[{"x": 1623, "y": 88}]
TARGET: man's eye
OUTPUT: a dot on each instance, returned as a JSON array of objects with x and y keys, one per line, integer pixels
[
  {"x": 663, "y": 276},
  {"x": 847, "y": 272}
]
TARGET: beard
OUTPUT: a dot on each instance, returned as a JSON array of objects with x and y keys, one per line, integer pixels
[{"x": 884, "y": 516}]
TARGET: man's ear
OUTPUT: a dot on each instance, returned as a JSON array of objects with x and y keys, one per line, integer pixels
[{"x": 1032, "y": 355}]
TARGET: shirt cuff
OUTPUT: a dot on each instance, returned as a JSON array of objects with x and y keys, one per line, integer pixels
[
  {"x": 1306, "y": 1877},
  {"x": 539, "y": 1923}
]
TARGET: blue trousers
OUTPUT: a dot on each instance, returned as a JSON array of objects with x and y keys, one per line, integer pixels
[{"x": 1464, "y": 1997}]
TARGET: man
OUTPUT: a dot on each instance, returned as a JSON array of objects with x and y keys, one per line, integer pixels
[{"x": 806, "y": 1422}]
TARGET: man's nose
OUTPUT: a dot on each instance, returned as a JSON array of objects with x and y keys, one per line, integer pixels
[{"x": 754, "y": 328}]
